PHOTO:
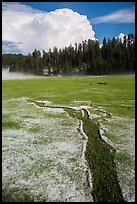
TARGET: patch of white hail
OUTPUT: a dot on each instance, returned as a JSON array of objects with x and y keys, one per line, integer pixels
[
  {"x": 28, "y": 162},
  {"x": 125, "y": 144},
  {"x": 76, "y": 101},
  {"x": 84, "y": 161},
  {"x": 49, "y": 109},
  {"x": 128, "y": 195},
  {"x": 24, "y": 99},
  {"x": 123, "y": 131},
  {"x": 46, "y": 162},
  {"x": 56, "y": 110},
  {"x": 92, "y": 116},
  {"x": 64, "y": 146},
  {"x": 108, "y": 141}
]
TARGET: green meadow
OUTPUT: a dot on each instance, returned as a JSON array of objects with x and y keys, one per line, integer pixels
[
  {"x": 42, "y": 148},
  {"x": 117, "y": 96}
]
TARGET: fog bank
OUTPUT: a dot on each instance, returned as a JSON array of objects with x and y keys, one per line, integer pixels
[{"x": 6, "y": 75}]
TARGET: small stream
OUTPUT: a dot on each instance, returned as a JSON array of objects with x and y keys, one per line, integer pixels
[{"x": 99, "y": 156}]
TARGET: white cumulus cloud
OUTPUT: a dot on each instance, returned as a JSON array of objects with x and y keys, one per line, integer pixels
[
  {"x": 30, "y": 29},
  {"x": 121, "y": 37}
]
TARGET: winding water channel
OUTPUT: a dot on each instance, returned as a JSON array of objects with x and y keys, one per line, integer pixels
[{"x": 99, "y": 156}]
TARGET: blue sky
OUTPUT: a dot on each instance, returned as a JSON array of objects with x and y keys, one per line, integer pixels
[
  {"x": 42, "y": 25},
  {"x": 93, "y": 10}
]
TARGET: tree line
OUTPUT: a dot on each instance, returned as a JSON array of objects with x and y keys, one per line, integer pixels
[{"x": 87, "y": 57}]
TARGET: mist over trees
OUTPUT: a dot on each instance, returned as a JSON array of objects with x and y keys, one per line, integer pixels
[{"x": 85, "y": 58}]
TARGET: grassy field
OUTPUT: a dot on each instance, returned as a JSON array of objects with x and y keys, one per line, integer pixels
[{"x": 41, "y": 145}]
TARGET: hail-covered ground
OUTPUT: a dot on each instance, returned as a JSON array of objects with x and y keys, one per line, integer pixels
[{"x": 42, "y": 152}]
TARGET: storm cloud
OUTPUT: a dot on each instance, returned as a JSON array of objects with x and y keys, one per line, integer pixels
[{"x": 28, "y": 29}]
